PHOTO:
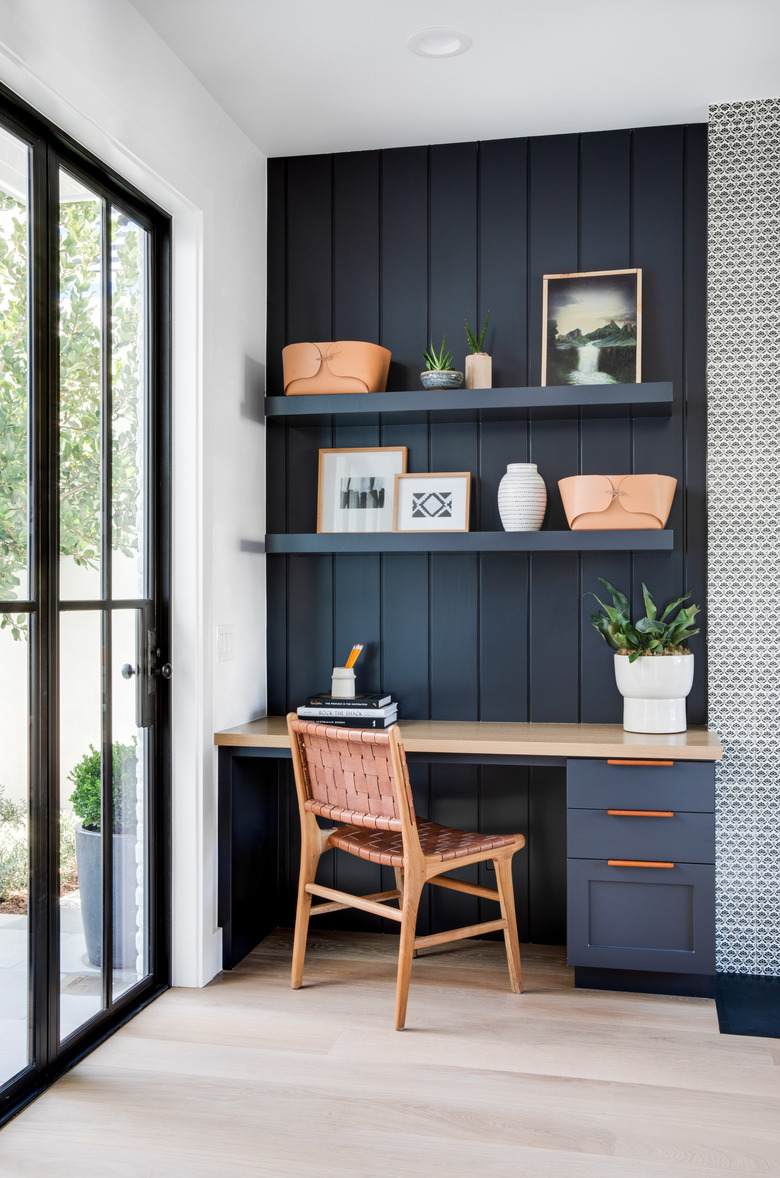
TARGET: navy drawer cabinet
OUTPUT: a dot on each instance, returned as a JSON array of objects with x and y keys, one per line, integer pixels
[{"x": 641, "y": 875}]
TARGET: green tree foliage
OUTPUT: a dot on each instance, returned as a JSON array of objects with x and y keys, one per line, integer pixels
[
  {"x": 80, "y": 388},
  {"x": 86, "y": 796}
]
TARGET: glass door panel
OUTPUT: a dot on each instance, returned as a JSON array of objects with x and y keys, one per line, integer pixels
[
  {"x": 14, "y": 368},
  {"x": 130, "y": 860},
  {"x": 81, "y": 360},
  {"x": 15, "y": 1038},
  {"x": 129, "y": 407},
  {"x": 81, "y": 878},
  {"x": 104, "y": 559},
  {"x": 14, "y": 851}
]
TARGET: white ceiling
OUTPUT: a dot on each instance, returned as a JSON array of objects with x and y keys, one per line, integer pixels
[{"x": 304, "y": 76}]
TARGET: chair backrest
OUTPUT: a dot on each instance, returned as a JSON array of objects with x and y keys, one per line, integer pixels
[{"x": 355, "y": 776}]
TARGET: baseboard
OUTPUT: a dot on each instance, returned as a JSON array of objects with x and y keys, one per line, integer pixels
[
  {"x": 748, "y": 1004},
  {"x": 635, "y": 981}
]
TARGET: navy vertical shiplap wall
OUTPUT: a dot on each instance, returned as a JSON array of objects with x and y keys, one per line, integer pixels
[{"x": 399, "y": 247}]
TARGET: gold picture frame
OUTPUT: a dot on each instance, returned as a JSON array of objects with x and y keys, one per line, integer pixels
[
  {"x": 438, "y": 501},
  {"x": 592, "y": 328},
  {"x": 356, "y": 488}
]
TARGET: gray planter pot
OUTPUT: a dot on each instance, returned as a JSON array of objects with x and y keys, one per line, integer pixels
[
  {"x": 88, "y": 845},
  {"x": 441, "y": 378}
]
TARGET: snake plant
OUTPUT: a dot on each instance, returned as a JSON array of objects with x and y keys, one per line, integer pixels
[{"x": 474, "y": 343}]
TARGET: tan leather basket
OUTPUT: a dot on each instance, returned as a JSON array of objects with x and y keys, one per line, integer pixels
[
  {"x": 617, "y": 501},
  {"x": 342, "y": 366}
]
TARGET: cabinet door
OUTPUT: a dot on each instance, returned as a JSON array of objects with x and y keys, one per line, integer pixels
[{"x": 643, "y": 918}]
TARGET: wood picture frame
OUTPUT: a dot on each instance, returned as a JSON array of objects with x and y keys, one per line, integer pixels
[
  {"x": 592, "y": 328},
  {"x": 356, "y": 488},
  {"x": 438, "y": 501}
]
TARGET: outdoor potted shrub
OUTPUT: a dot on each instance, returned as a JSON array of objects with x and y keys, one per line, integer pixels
[
  {"x": 439, "y": 374},
  {"x": 85, "y": 800},
  {"x": 653, "y": 667},
  {"x": 13, "y": 852},
  {"x": 479, "y": 365}
]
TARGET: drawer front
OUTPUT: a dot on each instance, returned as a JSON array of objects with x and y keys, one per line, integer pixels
[
  {"x": 683, "y": 785},
  {"x": 643, "y": 918},
  {"x": 597, "y": 834}
]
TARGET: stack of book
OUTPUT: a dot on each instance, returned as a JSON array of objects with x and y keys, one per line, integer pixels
[{"x": 371, "y": 709}]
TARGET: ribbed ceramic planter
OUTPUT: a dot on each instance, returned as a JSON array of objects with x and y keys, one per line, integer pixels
[
  {"x": 522, "y": 498},
  {"x": 654, "y": 689},
  {"x": 88, "y": 859},
  {"x": 441, "y": 378}
]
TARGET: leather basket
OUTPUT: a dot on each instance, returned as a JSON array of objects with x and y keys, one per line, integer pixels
[
  {"x": 617, "y": 501},
  {"x": 343, "y": 366}
]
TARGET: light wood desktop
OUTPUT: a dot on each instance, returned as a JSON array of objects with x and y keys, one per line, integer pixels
[{"x": 485, "y": 738}]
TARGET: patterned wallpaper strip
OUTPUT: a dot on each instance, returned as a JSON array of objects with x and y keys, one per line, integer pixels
[{"x": 743, "y": 487}]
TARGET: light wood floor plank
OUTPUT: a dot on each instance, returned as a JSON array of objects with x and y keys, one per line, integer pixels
[{"x": 248, "y": 1077}]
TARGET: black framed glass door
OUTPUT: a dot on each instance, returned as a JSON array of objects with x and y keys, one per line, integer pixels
[{"x": 84, "y": 539}]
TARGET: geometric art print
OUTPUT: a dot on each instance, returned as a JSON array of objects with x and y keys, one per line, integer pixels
[
  {"x": 743, "y": 494},
  {"x": 432, "y": 505}
]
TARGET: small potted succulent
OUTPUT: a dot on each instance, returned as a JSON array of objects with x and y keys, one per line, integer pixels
[
  {"x": 86, "y": 802},
  {"x": 653, "y": 667},
  {"x": 479, "y": 365},
  {"x": 439, "y": 374}
]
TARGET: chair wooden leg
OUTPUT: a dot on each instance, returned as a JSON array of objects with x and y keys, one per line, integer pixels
[
  {"x": 411, "y": 902},
  {"x": 507, "y": 899},
  {"x": 399, "y": 883},
  {"x": 309, "y": 860}
]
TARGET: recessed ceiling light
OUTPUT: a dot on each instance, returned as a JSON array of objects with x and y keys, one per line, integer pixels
[{"x": 439, "y": 43}]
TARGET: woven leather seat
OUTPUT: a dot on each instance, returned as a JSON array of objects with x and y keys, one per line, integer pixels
[
  {"x": 437, "y": 843},
  {"x": 359, "y": 779}
]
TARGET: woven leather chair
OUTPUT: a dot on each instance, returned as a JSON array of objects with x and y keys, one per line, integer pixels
[{"x": 358, "y": 778}]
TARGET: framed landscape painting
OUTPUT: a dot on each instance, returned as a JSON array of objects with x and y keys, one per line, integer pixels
[{"x": 592, "y": 328}]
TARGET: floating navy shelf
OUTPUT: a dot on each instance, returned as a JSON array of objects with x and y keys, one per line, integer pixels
[
  {"x": 533, "y": 404},
  {"x": 459, "y": 542}
]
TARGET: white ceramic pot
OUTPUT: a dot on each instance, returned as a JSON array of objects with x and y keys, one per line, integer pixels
[
  {"x": 522, "y": 498},
  {"x": 654, "y": 689}
]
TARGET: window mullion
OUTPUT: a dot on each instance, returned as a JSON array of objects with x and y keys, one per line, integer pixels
[{"x": 106, "y": 516}]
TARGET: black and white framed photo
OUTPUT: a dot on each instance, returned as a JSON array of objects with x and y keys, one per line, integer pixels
[
  {"x": 356, "y": 488},
  {"x": 436, "y": 502}
]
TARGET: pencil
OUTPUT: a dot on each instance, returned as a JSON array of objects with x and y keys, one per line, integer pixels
[{"x": 353, "y": 654}]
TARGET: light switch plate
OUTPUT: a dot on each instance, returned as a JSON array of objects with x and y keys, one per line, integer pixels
[{"x": 226, "y": 643}]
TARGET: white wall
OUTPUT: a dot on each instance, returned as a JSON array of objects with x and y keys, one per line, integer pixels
[{"x": 98, "y": 71}]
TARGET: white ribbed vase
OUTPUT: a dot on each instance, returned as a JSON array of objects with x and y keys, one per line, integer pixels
[{"x": 522, "y": 498}]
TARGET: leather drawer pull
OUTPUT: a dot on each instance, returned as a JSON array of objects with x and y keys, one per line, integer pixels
[
  {"x": 644, "y": 813},
  {"x": 669, "y": 763},
  {"x": 635, "y": 863}
]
